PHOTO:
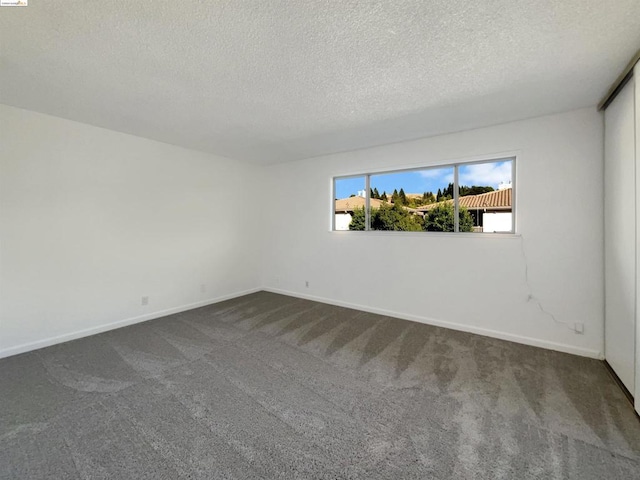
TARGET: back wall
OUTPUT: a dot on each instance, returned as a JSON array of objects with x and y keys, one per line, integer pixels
[{"x": 531, "y": 287}]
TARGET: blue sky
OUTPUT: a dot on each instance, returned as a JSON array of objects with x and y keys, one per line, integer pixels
[{"x": 419, "y": 181}]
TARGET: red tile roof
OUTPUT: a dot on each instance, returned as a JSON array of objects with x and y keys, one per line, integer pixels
[
  {"x": 351, "y": 203},
  {"x": 498, "y": 200}
]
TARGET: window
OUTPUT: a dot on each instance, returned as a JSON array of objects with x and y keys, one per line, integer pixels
[
  {"x": 467, "y": 197},
  {"x": 349, "y": 203}
]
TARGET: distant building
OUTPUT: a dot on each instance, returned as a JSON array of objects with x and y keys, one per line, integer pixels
[
  {"x": 491, "y": 211},
  {"x": 344, "y": 207}
]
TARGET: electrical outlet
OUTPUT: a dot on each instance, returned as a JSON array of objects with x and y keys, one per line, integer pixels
[
  {"x": 578, "y": 327},
  {"x": 144, "y": 301},
  {"x": 306, "y": 283}
]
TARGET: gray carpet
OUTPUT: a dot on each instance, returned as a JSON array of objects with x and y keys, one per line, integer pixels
[{"x": 268, "y": 386}]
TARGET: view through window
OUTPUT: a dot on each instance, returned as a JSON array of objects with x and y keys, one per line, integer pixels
[{"x": 428, "y": 199}]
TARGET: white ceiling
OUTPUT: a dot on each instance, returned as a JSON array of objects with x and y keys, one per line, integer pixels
[{"x": 271, "y": 81}]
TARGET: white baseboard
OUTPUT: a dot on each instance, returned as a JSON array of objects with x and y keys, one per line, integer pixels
[
  {"x": 47, "y": 342},
  {"x": 560, "y": 347}
]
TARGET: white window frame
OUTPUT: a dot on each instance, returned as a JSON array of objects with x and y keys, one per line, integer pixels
[{"x": 455, "y": 166}]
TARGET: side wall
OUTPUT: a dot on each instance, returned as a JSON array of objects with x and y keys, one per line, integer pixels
[
  {"x": 531, "y": 288},
  {"x": 93, "y": 220}
]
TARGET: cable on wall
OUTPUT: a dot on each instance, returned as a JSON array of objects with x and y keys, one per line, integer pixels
[{"x": 532, "y": 298}]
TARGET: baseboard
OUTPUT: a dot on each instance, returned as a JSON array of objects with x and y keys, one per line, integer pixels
[
  {"x": 616, "y": 379},
  {"x": 534, "y": 342},
  {"x": 27, "y": 347}
]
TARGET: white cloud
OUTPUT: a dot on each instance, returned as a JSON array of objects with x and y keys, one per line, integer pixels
[
  {"x": 432, "y": 173},
  {"x": 485, "y": 174},
  {"x": 437, "y": 176}
]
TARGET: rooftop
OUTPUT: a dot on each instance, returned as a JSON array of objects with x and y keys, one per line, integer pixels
[
  {"x": 351, "y": 203},
  {"x": 498, "y": 200}
]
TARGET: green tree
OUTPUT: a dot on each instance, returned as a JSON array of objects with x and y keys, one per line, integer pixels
[
  {"x": 465, "y": 220},
  {"x": 357, "y": 219},
  {"x": 394, "y": 217},
  {"x": 376, "y": 194},
  {"x": 384, "y": 197},
  {"x": 428, "y": 197},
  {"x": 402, "y": 196},
  {"x": 394, "y": 196},
  {"x": 441, "y": 219},
  {"x": 463, "y": 190},
  {"x": 447, "y": 193}
]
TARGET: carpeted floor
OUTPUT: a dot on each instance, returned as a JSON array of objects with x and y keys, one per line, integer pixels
[{"x": 268, "y": 386}]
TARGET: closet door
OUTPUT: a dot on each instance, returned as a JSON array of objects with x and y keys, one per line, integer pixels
[
  {"x": 636, "y": 76},
  {"x": 620, "y": 236}
]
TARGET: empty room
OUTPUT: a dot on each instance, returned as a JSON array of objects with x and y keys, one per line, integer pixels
[{"x": 319, "y": 239}]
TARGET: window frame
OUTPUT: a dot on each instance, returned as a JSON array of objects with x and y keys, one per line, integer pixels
[{"x": 456, "y": 166}]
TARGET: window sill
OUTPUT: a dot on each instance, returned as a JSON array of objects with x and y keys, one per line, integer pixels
[{"x": 431, "y": 235}]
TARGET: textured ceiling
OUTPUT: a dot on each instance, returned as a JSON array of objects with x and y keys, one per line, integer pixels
[{"x": 271, "y": 81}]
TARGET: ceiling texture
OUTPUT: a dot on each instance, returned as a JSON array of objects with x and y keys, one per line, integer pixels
[{"x": 277, "y": 80}]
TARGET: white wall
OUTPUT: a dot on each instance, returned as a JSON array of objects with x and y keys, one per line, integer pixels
[
  {"x": 91, "y": 220},
  {"x": 343, "y": 220},
  {"x": 470, "y": 282},
  {"x": 497, "y": 222}
]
